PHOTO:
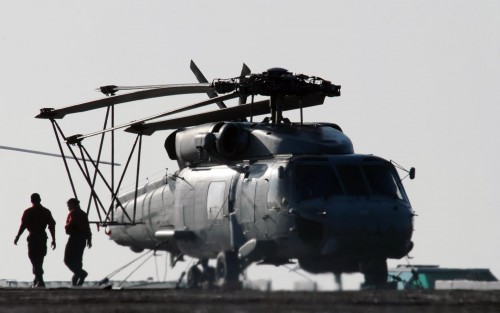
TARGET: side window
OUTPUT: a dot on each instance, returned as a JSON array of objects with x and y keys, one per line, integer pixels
[
  {"x": 216, "y": 200},
  {"x": 382, "y": 181}
]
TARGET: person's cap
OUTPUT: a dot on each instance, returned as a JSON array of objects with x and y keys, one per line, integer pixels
[
  {"x": 35, "y": 198},
  {"x": 73, "y": 201}
]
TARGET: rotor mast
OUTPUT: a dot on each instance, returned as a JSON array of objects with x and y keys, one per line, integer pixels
[{"x": 276, "y": 104}]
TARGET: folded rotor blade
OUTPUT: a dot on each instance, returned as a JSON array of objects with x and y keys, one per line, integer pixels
[
  {"x": 183, "y": 109},
  {"x": 51, "y": 154},
  {"x": 228, "y": 114},
  {"x": 201, "y": 78},
  {"x": 169, "y": 90},
  {"x": 244, "y": 72}
]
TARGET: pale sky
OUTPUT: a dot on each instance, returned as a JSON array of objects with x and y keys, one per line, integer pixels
[{"x": 419, "y": 86}]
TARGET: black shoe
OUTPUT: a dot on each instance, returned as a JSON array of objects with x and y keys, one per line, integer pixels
[
  {"x": 82, "y": 277},
  {"x": 38, "y": 282},
  {"x": 74, "y": 280}
]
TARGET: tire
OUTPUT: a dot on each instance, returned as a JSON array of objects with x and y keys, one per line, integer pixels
[
  {"x": 227, "y": 268},
  {"x": 209, "y": 274},
  {"x": 193, "y": 277}
]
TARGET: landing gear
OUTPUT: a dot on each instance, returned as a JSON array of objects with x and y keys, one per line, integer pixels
[
  {"x": 227, "y": 270},
  {"x": 208, "y": 273},
  {"x": 226, "y": 273},
  {"x": 193, "y": 277},
  {"x": 338, "y": 281},
  {"x": 197, "y": 277},
  {"x": 375, "y": 272}
]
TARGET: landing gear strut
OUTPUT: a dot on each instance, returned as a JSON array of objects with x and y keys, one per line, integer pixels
[
  {"x": 338, "y": 281},
  {"x": 197, "y": 277},
  {"x": 375, "y": 272}
]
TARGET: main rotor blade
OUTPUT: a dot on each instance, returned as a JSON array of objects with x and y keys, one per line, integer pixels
[
  {"x": 183, "y": 109},
  {"x": 244, "y": 72},
  {"x": 201, "y": 78},
  {"x": 169, "y": 90},
  {"x": 51, "y": 154},
  {"x": 233, "y": 113}
]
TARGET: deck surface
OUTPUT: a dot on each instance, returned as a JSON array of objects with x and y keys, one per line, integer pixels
[{"x": 167, "y": 300}]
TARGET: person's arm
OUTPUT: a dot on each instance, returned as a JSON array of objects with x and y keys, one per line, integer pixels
[
  {"x": 88, "y": 232},
  {"x": 69, "y": 224},
  {"x": 52, "y": 230},
  {"x": 20, "y": 232}
]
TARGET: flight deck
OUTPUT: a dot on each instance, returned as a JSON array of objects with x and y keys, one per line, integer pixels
[{"x": 168, "y": 300}]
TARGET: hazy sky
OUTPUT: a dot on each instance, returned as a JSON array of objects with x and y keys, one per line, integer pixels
[{"x": 420, "y": 83}]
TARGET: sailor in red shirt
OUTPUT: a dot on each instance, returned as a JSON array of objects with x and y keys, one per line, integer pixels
[
  {"x": 78, "y": 229},
  {"x": 36, "y": 219}
]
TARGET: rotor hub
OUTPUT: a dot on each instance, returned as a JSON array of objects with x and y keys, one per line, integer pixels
[{"x": 276, "y": 81}]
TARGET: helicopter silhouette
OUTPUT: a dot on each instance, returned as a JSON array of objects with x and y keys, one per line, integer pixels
[{"x": 247, "y": 192}]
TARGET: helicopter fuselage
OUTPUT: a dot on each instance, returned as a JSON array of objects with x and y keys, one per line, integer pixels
[{"x": 330, "y": 211}]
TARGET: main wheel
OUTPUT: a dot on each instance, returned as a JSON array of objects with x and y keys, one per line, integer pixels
[
  {"x": 227, "y": 268},
  {"x": 193, "y": 277},
  {"x": 209, "y": 275}
]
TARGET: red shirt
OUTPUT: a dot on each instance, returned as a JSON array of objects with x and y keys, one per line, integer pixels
[
  {"x": 77, "y": 223},
  {"x": 36, "y": 219}
]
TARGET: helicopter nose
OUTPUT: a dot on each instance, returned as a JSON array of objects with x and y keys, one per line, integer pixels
[{"x": 363, "y": 226}]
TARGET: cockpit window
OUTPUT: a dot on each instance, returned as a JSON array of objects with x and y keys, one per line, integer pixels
[
  {"x": 313, "y": 181},
  {"x": 353, "y": 181},
  {"x": 362, "y": 179},
  {"x": 382, "y": 180}
]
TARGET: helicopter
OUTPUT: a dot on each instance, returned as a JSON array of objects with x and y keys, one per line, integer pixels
[{"x": 246, "y": 192}]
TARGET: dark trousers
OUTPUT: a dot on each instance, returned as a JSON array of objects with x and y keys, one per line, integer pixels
[
  {"x": 37, "y": 250},
  {"x": 73, "y": 254}
]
